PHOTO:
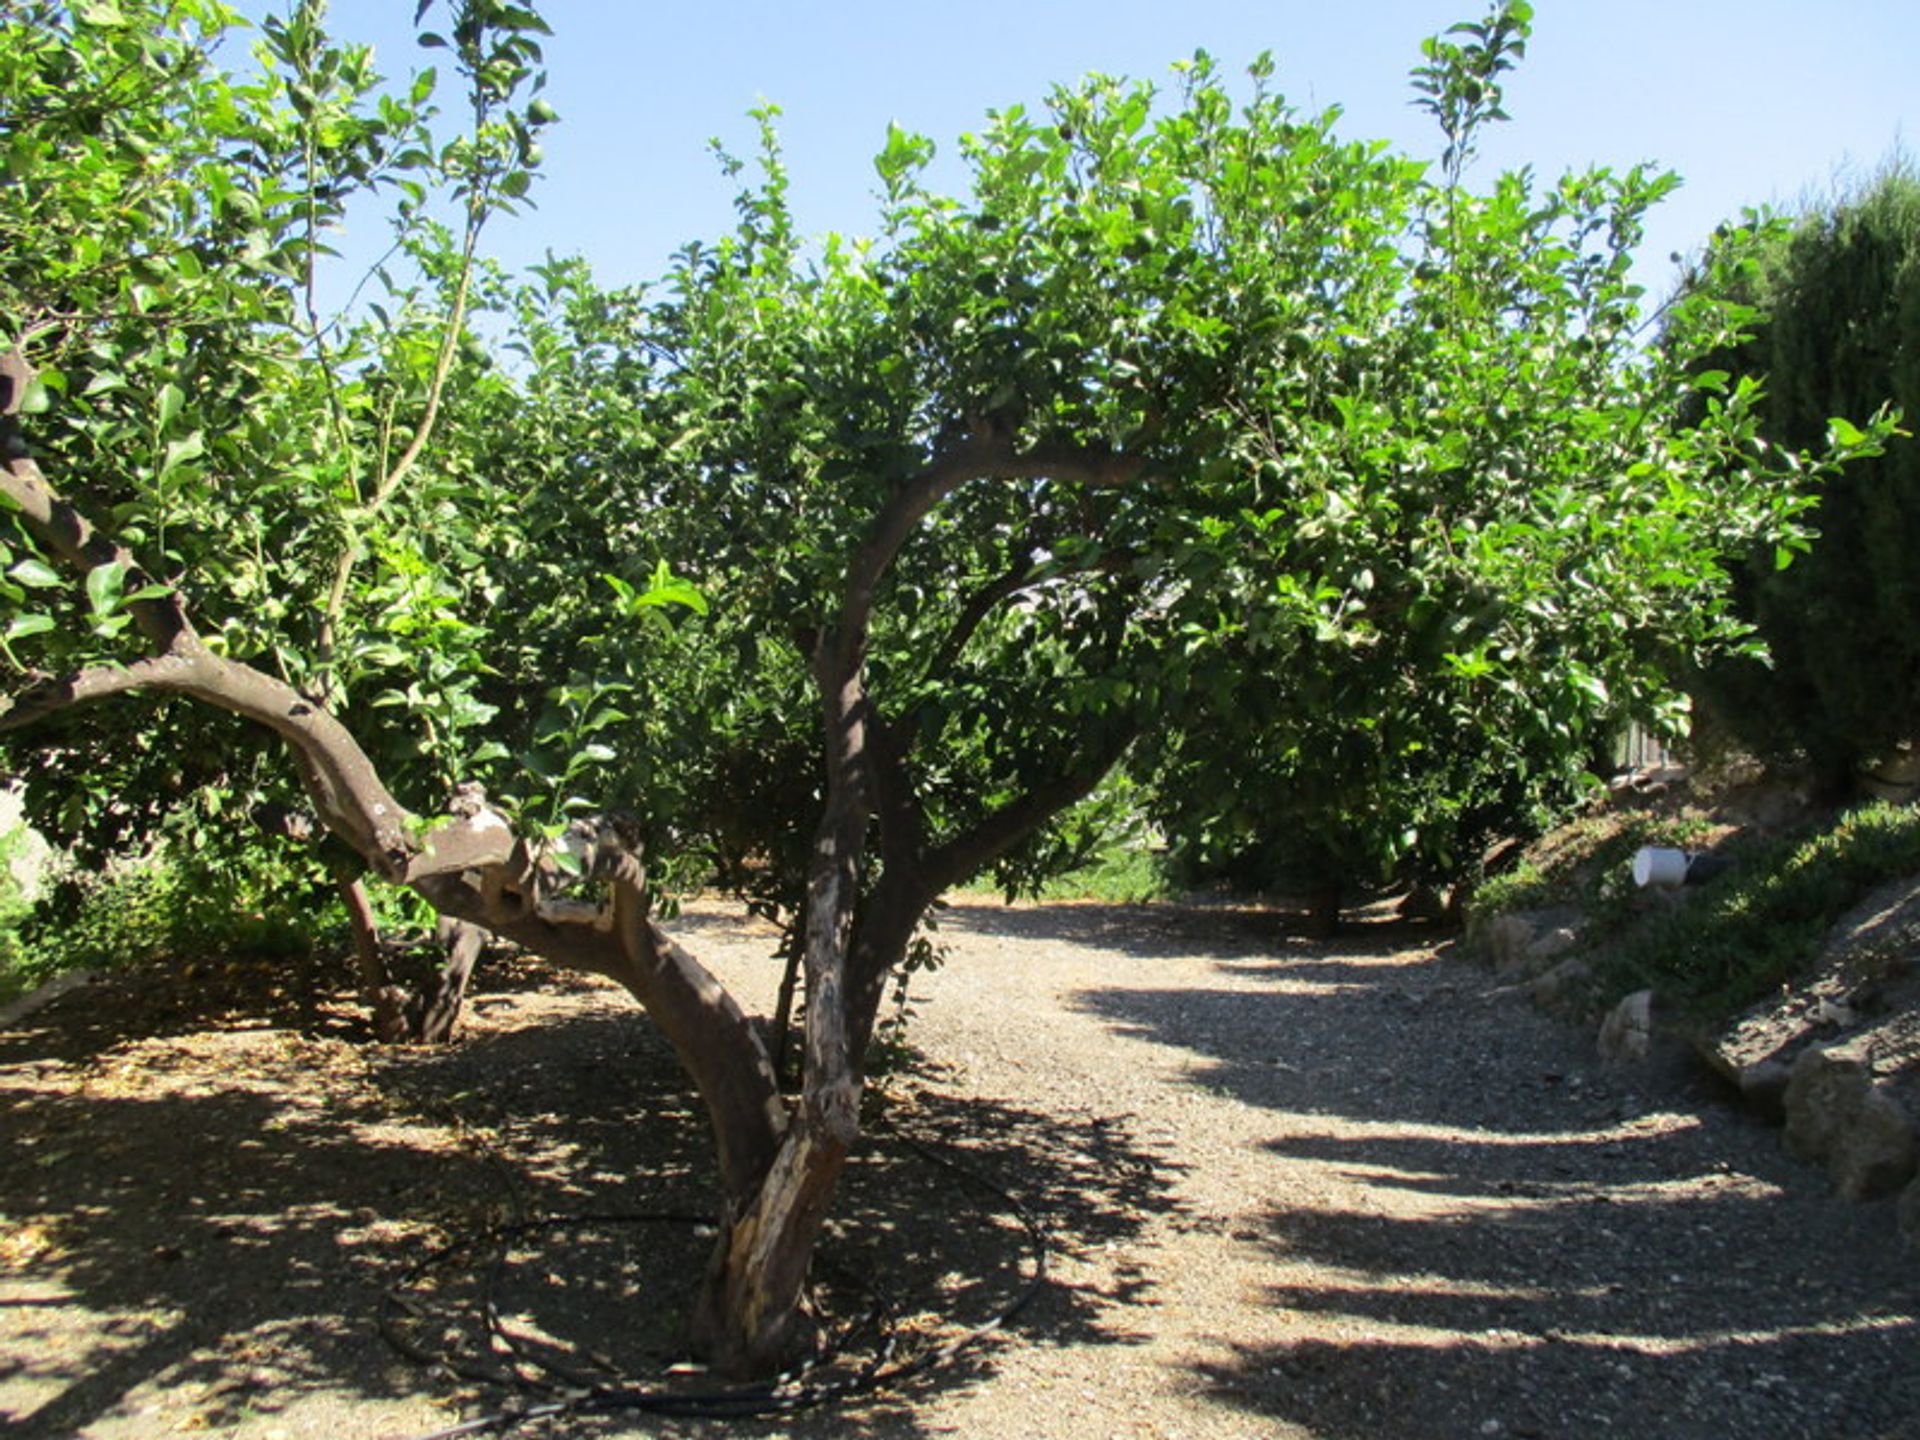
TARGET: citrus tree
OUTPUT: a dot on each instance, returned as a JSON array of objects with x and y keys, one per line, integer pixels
[{"x": 1188, "y": 418}]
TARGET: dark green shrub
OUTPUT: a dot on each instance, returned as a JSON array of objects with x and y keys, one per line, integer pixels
[{"x": 1838, "y": 335}]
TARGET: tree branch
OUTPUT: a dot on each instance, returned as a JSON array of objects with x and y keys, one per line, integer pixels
[
  {"x": 49, "y": 695},
  {"x": 973, "y": 850},
  {"x": 1018, "y": 581},
  {"x": 979, "y": 456}
]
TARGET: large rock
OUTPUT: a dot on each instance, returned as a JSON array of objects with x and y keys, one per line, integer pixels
[
  {"x": 1874, "y": 1156},
  {"x": 1561, "y": 981},
  {"x": 1528, "y": 941},
  {"x": 1909, "y": 1213},
  {"x": 1862, "y": 994},
  {"x": 1824, "y": 1090},
  {"x": 1837, "y": 1118},
  {"x": 1506, "y": 938},
  {"x": 1550, "y": 945},
  {"x": 1627, "y": 1032}
]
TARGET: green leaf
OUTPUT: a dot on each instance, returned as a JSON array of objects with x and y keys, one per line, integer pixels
[
  {"x": 104, "y": 586},
  {"x": 36, "y": 574},
  {"x": 180, "y": 451},
  {"x": 21, "y": 625},
  {"x": 167, "y": 405}
]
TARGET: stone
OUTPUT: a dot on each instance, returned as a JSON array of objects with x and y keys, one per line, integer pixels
[
  {"x": 1556, "y": 983},
  {"x": 1908, "y": 1213},
  {"x": 1763, "y": 1088},
  {"x": 1824, "y": 1091},
  {"x": 1506, "y": 939},
  {"x": 1551, "y": 944},
  {"x": 1873, "y": 1156},
  {"x": 1627, "y": 1032},
  {"x": 1837, "y": 1118}
]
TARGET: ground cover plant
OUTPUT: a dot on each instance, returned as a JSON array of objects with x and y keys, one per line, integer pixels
[
  {"x": 1755, "y": 928},
  {"x": 845, "y": 571}
]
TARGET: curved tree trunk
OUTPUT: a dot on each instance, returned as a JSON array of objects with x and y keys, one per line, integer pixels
[{"x": 779, "y": 1163}]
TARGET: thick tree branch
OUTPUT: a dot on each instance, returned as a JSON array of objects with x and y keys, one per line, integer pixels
[
  {"x": 988, "y": 455},
  {"x": 49, "y": 695},
  {"x": 840, "y": 1005},
  {"x": 714, "y": 1039},
  {"x": 73, "y": 540},
  {"x": 991, "y": 837}
]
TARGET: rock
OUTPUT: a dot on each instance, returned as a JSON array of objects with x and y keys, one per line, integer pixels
[
  {"x": 1894, "y": 777},
  {"x": 1552, "y": 987},
  {"x": 1908, "y": 1213},
  {"x": 1834, "y": 1013},
  {"x": 1763, "y": 1087},
  {"x": 1824, "y": 1091},
  {"x": 1506, "y": 939},
  {"x": 1837, "y": 1118},
  {"x": 1884, "y": 927},
  {"x": 1528, "y": 941},
  {"x": 1551, "y": 945},
  {"x": 1874, "y": 1154},
  {"x": 1627, "y": 1032}
]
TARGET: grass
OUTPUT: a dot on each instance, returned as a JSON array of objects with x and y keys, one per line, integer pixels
[
  {"x": 1121, "y": 875},
  {"x": 1582, "y": 864},
  {"x": 1726, "y": 943},
  {"x": 1765, "y": 921}
]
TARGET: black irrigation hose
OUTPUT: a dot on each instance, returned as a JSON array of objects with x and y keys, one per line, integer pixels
[{"x": 569, "y": 1392}]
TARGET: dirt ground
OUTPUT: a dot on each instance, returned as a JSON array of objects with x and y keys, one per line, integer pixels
[{"x": 1346, "y": 1191}]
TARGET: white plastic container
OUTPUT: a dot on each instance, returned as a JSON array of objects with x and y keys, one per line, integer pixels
[{"x": 1655, "y": 865}]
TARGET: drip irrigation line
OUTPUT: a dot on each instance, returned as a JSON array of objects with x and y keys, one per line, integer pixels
[{"x": 554, "y": 1388}]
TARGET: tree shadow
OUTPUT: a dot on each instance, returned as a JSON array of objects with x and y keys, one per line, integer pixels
[
  {"x": 1522, "y": 1240},
  {"x": 201, "y": 1219},
  {"x": 1194, "y": 927},
  {"x": 215, "y": 1236}
]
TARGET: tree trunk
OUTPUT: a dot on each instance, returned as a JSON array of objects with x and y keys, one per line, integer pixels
[
  {"x": 387, "y": 1000},
  {"x": 752, "y": 1316},
  {"x": 793, "y": 950},
  {"x": 1323, "y": 904},
  {"x": 436, "y": 1010}
]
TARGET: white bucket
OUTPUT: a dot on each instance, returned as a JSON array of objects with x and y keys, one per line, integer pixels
[{"x": 1654, "y": 865}]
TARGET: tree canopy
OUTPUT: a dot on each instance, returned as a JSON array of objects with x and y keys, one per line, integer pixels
[{"x": 1338, "y": 490}]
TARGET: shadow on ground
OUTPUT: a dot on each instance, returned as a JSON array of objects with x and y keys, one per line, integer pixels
[
  {"x": 203, "y": 1207},
  {"x": 1530, "y": 1244}
]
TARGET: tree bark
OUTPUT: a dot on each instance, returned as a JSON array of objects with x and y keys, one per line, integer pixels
[
  {"x": 792, "y": 951},
  {"x": 386, "y": 1000},
  {"x": 751, "y": 1316},
  {"x": 436, "y": 1010}
]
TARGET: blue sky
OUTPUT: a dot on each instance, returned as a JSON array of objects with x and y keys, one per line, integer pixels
[{"x": 1752, "y": 101}]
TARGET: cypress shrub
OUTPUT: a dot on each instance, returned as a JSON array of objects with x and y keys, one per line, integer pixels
[{"x": 1838, "y": 334}]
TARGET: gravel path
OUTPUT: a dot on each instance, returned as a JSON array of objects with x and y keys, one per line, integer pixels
[{"x": 1294, "y": 1190}]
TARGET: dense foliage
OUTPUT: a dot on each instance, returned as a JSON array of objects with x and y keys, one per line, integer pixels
[
  {"x": 1341, "y": 490},
  {"x": 1836, "y": 333}
]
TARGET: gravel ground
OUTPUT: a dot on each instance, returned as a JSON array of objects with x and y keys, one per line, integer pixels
[{"x": 1291, "y": 1190}]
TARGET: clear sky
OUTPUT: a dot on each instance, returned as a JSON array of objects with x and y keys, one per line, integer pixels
[{"x": 1752, "y": 101}]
